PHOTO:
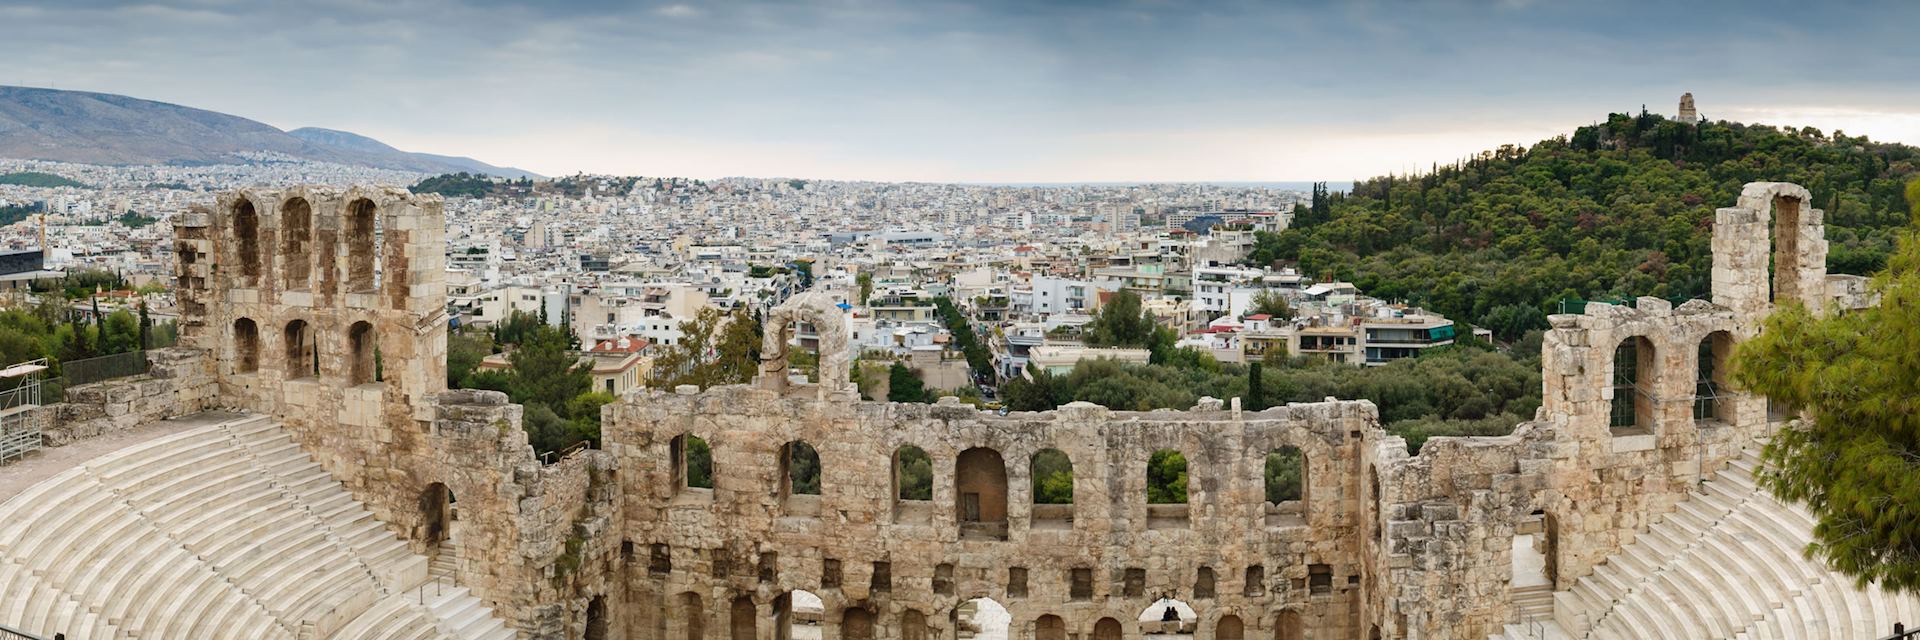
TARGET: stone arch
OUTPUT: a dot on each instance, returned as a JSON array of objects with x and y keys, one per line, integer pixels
[
  {"x": 856, "y": 624},
  {"x": 1285, "y": 476},
  {"x": 796, "y": 607},
  {"x": 1051, "y": 473},
  {"x": 983, "y": 618},
  {"x": 980, "y": 494},
  {"x": 246, "y": 346},
  {"x": 1287, "y": 626},
  {"x": 302, "y": 360},
  {"x": 1107, "y": 629},
  {"x": 743, "y": 619},
  {"x": 363, "y": 245},
  {"x": 596, "y": 619},
  {"x": 1168, "y": 616},
  {"x": 296, "y": 242},
  {"x": 246, "y": 241},
  {"x": 1712, "y": 398},
  {"x": 692, "y": 462},
  {"x": 1049, "y": 627},
  {"x": 1229, "y": 627},
  {"x": 1773, "y": 222},
  {"x": 362, "y": 345},
  {"x": 436, "y": 516},
  {"x": 1635, "y": 376},
  {"x": 828, "y": 319}
]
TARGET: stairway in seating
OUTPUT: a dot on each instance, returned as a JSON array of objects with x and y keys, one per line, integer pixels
[
  {"x": 224, "y": 531},
  {"x": 1726, "y": 563}
]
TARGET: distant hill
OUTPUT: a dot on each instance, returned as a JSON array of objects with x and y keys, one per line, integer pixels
[
  {"x": 103, "y": 128},
  {"x": 37, "y": 179}
]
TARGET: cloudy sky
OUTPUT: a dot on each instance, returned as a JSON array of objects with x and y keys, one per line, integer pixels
[{"x": 984, "y": 92}]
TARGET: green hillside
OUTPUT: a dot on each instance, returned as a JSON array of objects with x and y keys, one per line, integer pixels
[
  {"x": 37, "y": 179},
  {"x": 1617, "y": 210}
]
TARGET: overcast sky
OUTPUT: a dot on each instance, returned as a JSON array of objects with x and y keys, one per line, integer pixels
[{"x": 983, "y": 92}]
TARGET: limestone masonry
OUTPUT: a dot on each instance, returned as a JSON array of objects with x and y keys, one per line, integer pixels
[{"x": 325, "y": 309}]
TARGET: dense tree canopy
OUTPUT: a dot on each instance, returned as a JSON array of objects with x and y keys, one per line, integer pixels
[
  {"x": 1465, "y": 389},
  {"x": 1618, "y": 210},
  {"x": 1855, "y": 463}
]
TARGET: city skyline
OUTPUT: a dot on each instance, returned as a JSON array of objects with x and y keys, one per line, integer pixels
[{"x": 976, "y": 93}]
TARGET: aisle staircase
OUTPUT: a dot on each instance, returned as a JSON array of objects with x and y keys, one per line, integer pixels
[
  {"x": 1726, "y": 563},
  {"x": 224, "y": 531}
]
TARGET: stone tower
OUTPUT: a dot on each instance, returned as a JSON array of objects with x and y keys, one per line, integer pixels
[{"x": 1687, "y": 114}]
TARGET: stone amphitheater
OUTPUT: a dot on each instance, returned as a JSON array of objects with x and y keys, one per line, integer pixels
[{"x": 272, "y": 477}]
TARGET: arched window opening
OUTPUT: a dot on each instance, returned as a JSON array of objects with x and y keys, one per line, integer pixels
[
  {"x": 1710, "y": 399},
  {"x": 596, "y": 619},
  {"x": 246, "y": 242},
  {"x": 1166, "y": 489},
  {"x": 303, "y": 361},
  {"x": 363, "y": 346},
  {"x": 1052, "y": 489},
  {"x": 436, "y": 516},
  {"x": 296, "y": 238},
  {"x": 980, "y": 494},
  {"x": 800, "y": 478},
  {"x": 1168, "y": 616},
  {"x": 1786, "y": 249},
  {"x": 981, "y": 619},
  {"x": 1285, "y": 476},
  {"x": 246, "y": 346},
  {"x": 913, "y": 486},
  {"x": 1254, "y": 584},
  {"x": 1204, "y": 584},
  {"x": 1633, "y": 384},
  {"x": 692, "y": 463},
  {"x": 1229, "y": 627},
  {"x": 363, "y": 246},
  {"x": 1049, "y": 627},
  {"x": 1107, "y": 629},
  {"x": 912, "y": 474},
  {"x": 689, "y": 615},
  {"x": 797, "y": 615},
  {"x": 856, "y": 624},
  {"x": 1286, "y": 626}
]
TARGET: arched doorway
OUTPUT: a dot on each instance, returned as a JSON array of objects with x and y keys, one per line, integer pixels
[
  {"x": 1229, "y": 627},
  {"x": 436, "y": 516},
  {"x": 797, "y": 615},
  {"x": 981, "y": 619},
  {"x": 1168, "y": 617},
  {"x": 856, "y": 624},
  {"x": 1049, "y": 627},
  {"x": 1286, "y": 626},
  {"x": 246, "y": 346},
  {"x": 597, "y": 619},
  {"x": 744, "y": 620},
  {"x": 1107, "y": 629}
]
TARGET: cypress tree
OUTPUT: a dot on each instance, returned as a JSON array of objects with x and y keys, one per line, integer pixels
[{"x": 1255, "y": 399}]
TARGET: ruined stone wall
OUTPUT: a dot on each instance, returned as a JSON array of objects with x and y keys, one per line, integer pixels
[
  {"x": 615, "y": 544},
  {"x": 326, "y": 308},
  {"x": 179, "y": 382},
  {"x": 704, "y": 550},
  {"x": 1595, "y": 475}
]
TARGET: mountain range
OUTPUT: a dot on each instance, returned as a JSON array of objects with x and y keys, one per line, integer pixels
[{"x": 108, "y": 129}]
